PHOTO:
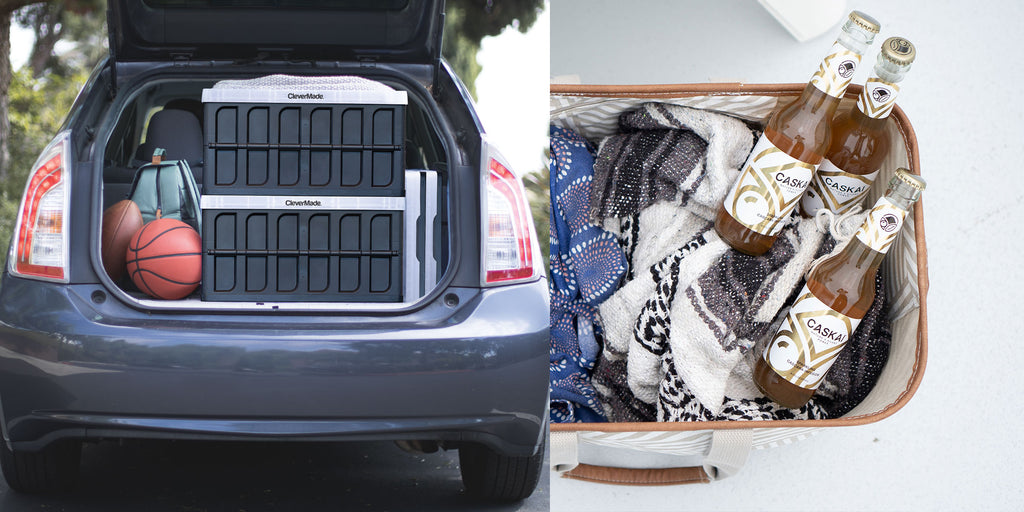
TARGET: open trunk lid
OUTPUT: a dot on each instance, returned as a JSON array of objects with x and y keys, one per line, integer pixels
[{"x": 400, "y": 31}]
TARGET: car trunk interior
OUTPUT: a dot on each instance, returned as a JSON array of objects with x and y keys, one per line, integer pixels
[{"x": 253, "y": 256}]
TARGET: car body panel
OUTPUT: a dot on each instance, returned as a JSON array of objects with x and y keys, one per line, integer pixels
[{"x": 75, "y": 364}]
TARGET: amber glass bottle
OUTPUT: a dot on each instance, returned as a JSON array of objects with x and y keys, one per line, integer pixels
[
  {"x": 793, "y": 144},
  {"x": 860, "y": 141},
  {"x": 838, "y": 293}
]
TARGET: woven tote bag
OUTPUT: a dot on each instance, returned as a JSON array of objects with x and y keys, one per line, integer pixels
[{"x": 653, "y": 453}]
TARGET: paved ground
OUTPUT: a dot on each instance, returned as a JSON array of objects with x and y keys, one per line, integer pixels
[{"x": 199, "y": 477}]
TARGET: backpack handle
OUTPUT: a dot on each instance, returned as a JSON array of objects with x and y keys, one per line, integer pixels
[{"x": 158, "y": 158}]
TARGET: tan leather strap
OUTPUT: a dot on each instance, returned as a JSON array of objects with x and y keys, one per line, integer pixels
[{"x": 628, "y": 476}]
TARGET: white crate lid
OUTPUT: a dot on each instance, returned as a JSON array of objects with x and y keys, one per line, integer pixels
[{"x": 304, "y": 89}]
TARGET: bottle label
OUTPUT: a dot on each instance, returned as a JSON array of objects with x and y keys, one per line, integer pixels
[
  {"x": 882, "y": 225},
  {"x": 877, "y": 98},
  {"x": 768, "y": 188},
  {"x": 808, "y": 342},
  {"x": 835, "y": 189},
  {"x": 836, "y": 70}
]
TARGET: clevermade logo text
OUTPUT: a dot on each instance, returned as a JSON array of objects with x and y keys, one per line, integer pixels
[
  {"x": 305, "y": 203},
  {"x": 305, "y": 96}
]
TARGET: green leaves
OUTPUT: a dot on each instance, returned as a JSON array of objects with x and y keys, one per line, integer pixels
[
  {"x": 37, "y": 110},
  {"x": 539, "y": 196},
  {"x": 467, "y": 22}
]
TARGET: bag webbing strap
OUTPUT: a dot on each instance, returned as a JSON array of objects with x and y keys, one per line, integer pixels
[
  {"x": 565, "y": 454},
  {"x": 729, "y": 451}
]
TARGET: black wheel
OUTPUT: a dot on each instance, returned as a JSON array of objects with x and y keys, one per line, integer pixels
[
  {"x": 490, "y": 475},
  {"x": 50, "y": 470}
]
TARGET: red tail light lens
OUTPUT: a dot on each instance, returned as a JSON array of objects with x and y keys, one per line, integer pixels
[
  {"x": 510, "y": 240},
  {"x": 40, "y": 246}
]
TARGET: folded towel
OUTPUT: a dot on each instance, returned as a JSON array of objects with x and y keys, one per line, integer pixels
[
  {"x": 848, "y": 382},
  {"x": 668, "y": 152},
  {"x": 714, "y": 321},
  {"x": 618, "y": 400},
  {"x": 682, "y": 332},
  {"x": 678, "y": 403},
  {"x": 691, "y": 354}
]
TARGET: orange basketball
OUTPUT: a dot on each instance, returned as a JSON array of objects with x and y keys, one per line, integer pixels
[
  {"x": 165, "y": 259},
  {"x": 120, "y": 222}
]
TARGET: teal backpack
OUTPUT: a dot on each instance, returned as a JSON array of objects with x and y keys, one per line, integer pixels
[{"x": 166, "y": 190}]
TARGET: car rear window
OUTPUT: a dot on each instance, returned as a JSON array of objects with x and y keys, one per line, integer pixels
[{"x": 363, "y": 5}]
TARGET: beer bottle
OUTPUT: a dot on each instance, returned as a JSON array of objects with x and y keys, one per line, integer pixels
[
  {"x": 859, "y": 139},
  {"x": 838, "y": 293},
  {"x": 794, "y": 142}
]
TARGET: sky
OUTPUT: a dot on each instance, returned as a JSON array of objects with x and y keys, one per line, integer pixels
[
  {"x": 512, "y": 90},
  {"x": 21, "y": 45}
]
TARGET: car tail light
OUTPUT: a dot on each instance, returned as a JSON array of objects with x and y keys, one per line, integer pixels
[
  {"x": 510, "y": 249},
  {"x": 40, "y": 246}
]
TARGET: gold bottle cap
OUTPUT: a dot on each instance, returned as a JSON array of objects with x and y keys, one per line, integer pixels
[
  {"x": 899, "y": 51},
  {"x": 866, "y": 22},
  {"x": 903, "y": 174}
]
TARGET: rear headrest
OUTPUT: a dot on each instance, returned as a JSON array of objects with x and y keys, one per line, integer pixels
[
  {"x": 178, "y": 132},
  {"x": 188, "y": 105}
]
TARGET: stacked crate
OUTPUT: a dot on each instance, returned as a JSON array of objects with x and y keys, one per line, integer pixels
[{"x": 303, "y": 190}]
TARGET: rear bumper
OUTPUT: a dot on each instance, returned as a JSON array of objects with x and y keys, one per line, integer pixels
[{"x": 71, "y": 366}]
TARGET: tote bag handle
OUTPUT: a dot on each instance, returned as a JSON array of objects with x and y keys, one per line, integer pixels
[{"x": 728, "y": 452}]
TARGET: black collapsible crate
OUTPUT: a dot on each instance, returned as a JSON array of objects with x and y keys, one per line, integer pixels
[
  {"x": 303, "y": 143},
  {"x": 303, "y": 190},
  {"x": 308, "y": 255}
]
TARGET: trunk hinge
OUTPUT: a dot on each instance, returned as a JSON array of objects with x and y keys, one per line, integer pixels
[{"x": 181, "y": 59}]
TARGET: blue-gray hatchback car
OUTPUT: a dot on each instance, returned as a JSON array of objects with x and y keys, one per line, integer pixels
[{"x": 430, "y": 328}]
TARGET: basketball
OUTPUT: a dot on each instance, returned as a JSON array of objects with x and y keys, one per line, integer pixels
[
  {"x": 164, "y": 259},
  {"x": 120, "y": 222}
]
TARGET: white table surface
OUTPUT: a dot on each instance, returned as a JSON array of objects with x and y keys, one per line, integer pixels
[{"x": 956, "y": 445}]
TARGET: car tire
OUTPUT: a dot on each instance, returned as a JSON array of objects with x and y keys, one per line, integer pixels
[
  {"x": 53, "y": 469},
  {"x": 490, "y": 475}
]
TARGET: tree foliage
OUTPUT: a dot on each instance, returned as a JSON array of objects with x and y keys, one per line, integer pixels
[
  {"x": 80, "y": 23},
  {"x": 38, "y": 107},
  {"x": 40, "y": 94},
  {"x": 537, "y": 193},
  {"x": 467, "y": 22}
]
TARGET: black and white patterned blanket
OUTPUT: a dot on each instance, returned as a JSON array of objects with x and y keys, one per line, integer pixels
[{"x": 682, "y": 331}]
